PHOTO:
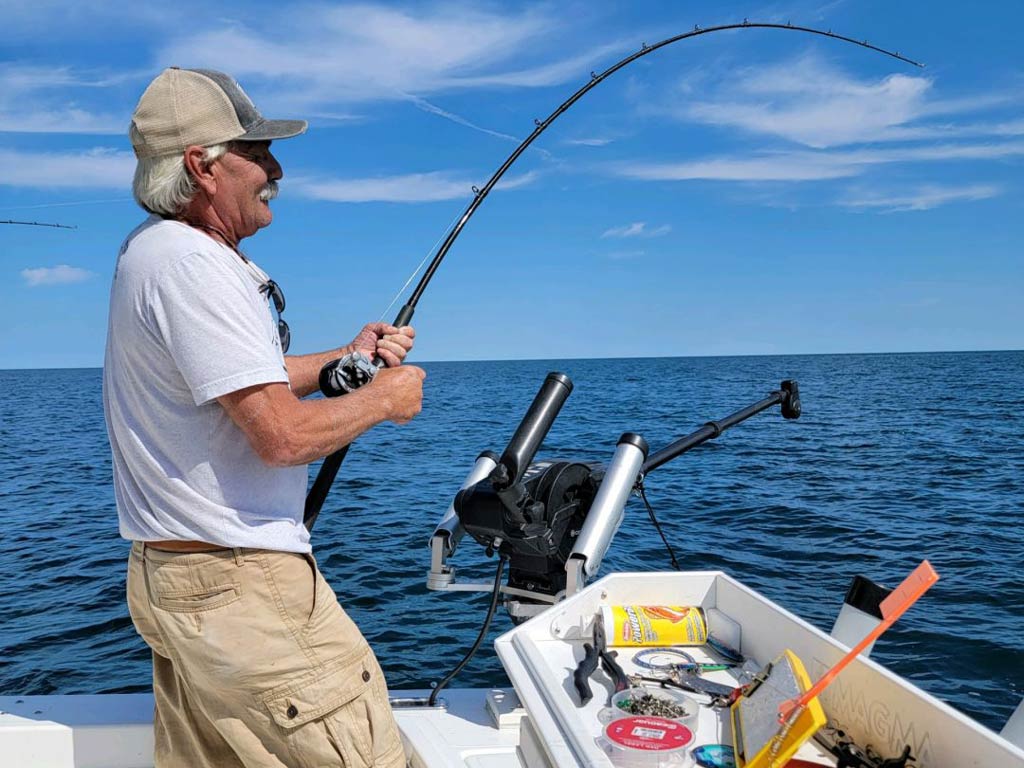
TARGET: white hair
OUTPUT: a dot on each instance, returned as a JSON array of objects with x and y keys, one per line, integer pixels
[{"x": 163, "y": 185}]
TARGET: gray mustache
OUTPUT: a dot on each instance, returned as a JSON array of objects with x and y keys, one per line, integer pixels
[{"x": 269, "y": 191}]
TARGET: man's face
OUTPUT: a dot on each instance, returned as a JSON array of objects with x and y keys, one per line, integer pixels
[{"x": 246, "y": 182}]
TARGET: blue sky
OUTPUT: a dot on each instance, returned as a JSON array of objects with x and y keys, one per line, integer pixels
[{"x": 750, "y": 192}]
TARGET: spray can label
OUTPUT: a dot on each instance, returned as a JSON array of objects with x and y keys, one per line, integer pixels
[{"x": 637, "y": 625}]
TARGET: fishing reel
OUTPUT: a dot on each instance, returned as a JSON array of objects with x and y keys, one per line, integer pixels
[
  {"x": 534, "y": 522},
  {"x": 346, "y": 374},
  {"x": 555, "y": 520}
]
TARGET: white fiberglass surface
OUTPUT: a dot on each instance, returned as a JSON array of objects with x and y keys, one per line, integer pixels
[{"x": 867, "y": 701}]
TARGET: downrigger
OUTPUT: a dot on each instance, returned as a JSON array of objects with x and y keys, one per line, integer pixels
[{"x": 553, "y": 521}]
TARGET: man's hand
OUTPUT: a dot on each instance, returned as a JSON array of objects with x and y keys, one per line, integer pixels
[
  {"x": 391, "y": 343},
  {"x": 401, "y": 389}
]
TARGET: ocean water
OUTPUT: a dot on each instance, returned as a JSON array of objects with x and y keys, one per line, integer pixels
[{"x": 897, "y": 458}]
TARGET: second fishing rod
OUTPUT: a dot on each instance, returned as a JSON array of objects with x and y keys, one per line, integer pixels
[{"x": 348, "y": 373}]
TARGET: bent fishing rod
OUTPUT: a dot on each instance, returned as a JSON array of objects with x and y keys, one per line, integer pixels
[
  {"x": 37, "y": 224},
  {"x": 348, "y": 373}
]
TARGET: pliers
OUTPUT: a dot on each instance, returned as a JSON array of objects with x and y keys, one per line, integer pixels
[{"x": 592, "y": 654}]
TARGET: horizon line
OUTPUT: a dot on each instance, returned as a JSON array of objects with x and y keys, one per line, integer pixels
[{"x": 624, "y": 357}]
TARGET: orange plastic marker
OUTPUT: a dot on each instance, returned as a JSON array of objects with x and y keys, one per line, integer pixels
[{"x": 894, "y": 606}]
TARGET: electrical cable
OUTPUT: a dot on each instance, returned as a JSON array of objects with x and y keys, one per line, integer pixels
[
  {"x": 480, "y": 638},
  {"x": 650, "y": 513}
]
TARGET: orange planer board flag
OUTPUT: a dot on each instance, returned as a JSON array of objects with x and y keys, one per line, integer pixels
[{"x": 894, "y": 606}]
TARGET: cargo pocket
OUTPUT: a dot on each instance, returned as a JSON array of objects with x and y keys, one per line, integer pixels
[{"x": 340, "y": 712}]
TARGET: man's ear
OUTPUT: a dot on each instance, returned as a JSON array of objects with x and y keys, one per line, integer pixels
[{"x": 200, "y": 171}]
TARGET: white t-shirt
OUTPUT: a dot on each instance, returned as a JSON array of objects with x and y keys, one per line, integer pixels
[{"x": 188, "y": 324}]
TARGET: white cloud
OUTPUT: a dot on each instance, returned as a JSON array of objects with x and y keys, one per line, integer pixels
[
  {"x": 403, "y": 188},
  {"x": 589, "y": 142},
  {"x": 637, "y": 229},
  {"x": 62, "y": 19},
  {"x": 779, "y": 167},
  {"x": 99, "y": 168},
  {"x": 976, "y": 102},
  {"x": 933, "y": 152},
  {"x": 320, "y": 54},
  {"x": 433, "y": 109},
  {"x": 921, "y": 198},
  {"x": 544, "y": 74},
  {"x": 19, "y": 78},
  {"x": 62, "y": 274},
  {"x": 33, "y": 100},
  {"x": 812, "y": 166},
  {"x": 316, "y": 58},
  {"x": 65, "y": 120},
  {"x": 947, "y": 131},
  {"x": 848, "y": 127},
  {"x": 809, "y": 101}
]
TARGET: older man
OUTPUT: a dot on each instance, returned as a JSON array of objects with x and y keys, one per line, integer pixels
[{"x": 254, "y": 661}]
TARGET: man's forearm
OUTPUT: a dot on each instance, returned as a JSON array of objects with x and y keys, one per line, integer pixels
[
  {"x": 321, "y": 427},
  {"x": 285, "y": 431},
  {"x": 304, "y": 370}
]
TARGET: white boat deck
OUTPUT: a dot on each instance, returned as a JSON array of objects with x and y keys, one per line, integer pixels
[
  {"x": 116, "y": 731},
  {"x": 551, "y": 729},
  {"x": 87, "y": 731}
]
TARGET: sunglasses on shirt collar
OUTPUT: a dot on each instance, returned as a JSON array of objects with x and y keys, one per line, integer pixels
[{"x": 275, "y": 294}]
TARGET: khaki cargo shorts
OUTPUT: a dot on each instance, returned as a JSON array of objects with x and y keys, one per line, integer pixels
[{"x": 256, "y": 664}]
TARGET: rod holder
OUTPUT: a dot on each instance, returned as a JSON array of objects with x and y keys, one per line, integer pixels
[
  {"x": 531, "y": 431},
  {"x": 606, "y": 512}
]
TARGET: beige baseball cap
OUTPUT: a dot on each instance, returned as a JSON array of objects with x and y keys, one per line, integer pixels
[{"x": 202, "y": 107}]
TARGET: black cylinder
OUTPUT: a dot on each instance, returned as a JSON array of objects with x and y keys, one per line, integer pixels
[
  {"x": 791, "y": 404},
  {"x": 532, "y": 430}
]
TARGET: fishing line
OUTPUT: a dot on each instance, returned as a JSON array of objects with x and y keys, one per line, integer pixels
[{"x": 419, "y": 266}]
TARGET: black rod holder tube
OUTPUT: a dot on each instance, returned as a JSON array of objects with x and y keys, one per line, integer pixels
[
  {"x": 788, "y": 396},
  {"x": 532, "y": 430}
]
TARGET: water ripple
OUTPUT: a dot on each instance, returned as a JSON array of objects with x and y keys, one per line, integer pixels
[{"x": 887, "y": 466}]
